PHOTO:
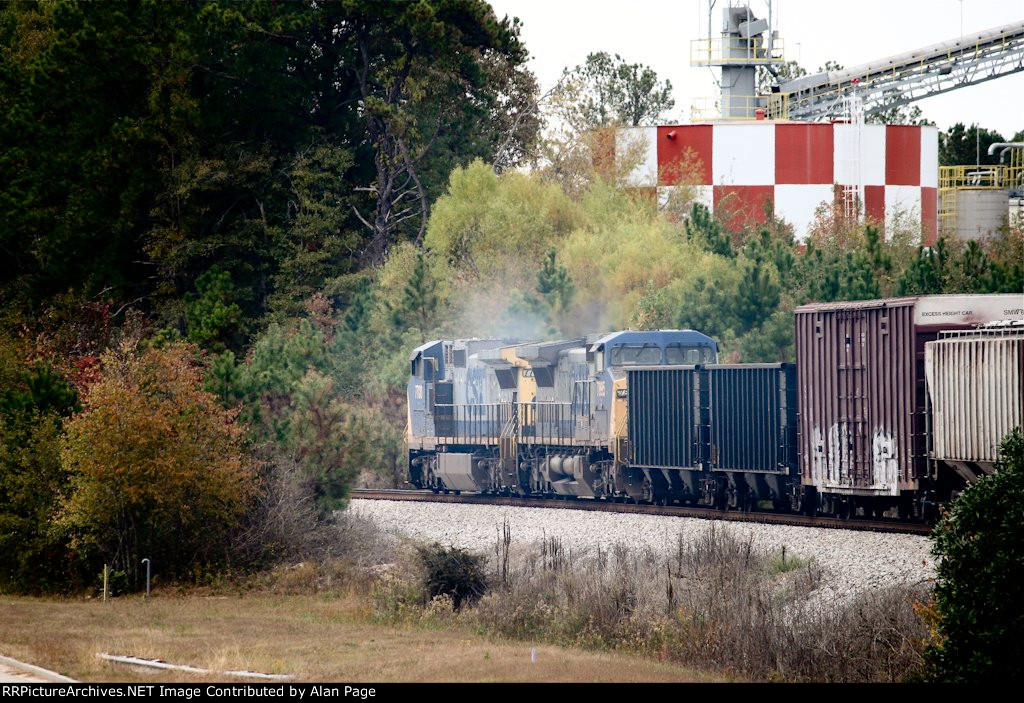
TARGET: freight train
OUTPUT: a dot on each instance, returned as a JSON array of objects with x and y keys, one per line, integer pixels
[{"x": 891, "y": 407}]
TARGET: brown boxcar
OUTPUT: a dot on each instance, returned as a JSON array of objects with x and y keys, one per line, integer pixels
[{"x": 860, "y": 374}]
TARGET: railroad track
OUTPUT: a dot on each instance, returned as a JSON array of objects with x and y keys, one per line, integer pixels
[{"x": 866, "y": 524}]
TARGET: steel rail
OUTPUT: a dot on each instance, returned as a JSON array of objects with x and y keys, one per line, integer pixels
[{"x": 792, "y": 519}]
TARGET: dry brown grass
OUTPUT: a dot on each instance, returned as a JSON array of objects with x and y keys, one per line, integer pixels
[
  {"x": 716, "y": 602},
  {"x": 315, "y": 637}
]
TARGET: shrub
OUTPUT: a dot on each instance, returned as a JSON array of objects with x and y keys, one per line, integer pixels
[
  {"x": 452, "y": 572},
  {"x": 33, "y": 406},
  {"x": 980, "y": 591}
]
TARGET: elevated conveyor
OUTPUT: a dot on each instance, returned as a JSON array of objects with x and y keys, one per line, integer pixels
[{"x": 905, "y": 78}]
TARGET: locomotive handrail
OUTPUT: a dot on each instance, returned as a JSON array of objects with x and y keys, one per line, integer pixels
[
  {"x": 473, "y": 421},
  {"x": 545, "y": 422}
]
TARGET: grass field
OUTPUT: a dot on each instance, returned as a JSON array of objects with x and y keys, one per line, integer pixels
[{"x": 313, "y": 637}]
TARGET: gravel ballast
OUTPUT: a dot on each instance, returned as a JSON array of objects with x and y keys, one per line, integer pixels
[{"x": 851, "y": 561}]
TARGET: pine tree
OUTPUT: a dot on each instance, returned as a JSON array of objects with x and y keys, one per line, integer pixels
[
  {"x": 705, "y": 230},
  {"x": 418, "y": 305},
  {"x": 555, "y": 291}
]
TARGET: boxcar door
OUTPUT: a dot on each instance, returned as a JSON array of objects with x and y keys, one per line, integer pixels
[{"x": 854, "y": 439}]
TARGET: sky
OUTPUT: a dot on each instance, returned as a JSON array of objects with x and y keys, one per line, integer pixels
[{"x": 560, "y": 33}]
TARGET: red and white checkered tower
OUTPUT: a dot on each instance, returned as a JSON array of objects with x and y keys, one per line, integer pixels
[
  {"x": 804, "y": 145},
  {"x": 736, "y": 166}
]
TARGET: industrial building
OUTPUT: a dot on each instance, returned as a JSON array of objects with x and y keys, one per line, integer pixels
[{"x": 805, "y": 145}]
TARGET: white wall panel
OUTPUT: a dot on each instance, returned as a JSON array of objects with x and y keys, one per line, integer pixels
[
  {"x": 902, "y": 207},
  {"x": 929, "y": 157},
  {"x": 859, "y": 148},
  {"x": 743, "y": 155},
  {"x": 640, "y": 146},
  {"x": 797, "y": 204}
]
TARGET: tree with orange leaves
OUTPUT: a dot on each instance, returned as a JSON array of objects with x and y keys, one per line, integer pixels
[{"x": 158, "y": 468}]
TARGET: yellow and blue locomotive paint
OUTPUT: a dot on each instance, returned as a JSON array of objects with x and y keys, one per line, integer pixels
[{"x": 535, "y": 417}]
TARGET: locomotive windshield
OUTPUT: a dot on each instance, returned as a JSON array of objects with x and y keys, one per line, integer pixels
[
  {"x": 678, "y": 354},
  {"x": 636, "y": 355}
]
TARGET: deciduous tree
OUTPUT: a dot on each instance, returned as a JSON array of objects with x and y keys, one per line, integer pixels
[
  {"x": 157, "y": 467},
  {"x": 606, "y": 90}
]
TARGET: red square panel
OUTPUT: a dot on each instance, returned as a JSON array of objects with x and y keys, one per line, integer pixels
[
  {"x": 902, "y": 155},
  {"x": 874, "y": 204},
  {"x": 803, "y": 153},
  {"x": 684, "y": 155},
  {"x": 738, "y": 206},
  {"x": 929, "y": 216}
]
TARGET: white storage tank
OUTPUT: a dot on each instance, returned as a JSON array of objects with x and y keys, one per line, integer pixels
[
  {"x": 975, "y": 383},
  {"x": 980, "y": 213}
]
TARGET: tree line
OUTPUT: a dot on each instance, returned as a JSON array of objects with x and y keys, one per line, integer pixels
[{"x": 225, "y": 226}]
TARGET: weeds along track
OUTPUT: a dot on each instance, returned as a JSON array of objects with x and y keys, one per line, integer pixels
[{"x": 866, "y": 524}]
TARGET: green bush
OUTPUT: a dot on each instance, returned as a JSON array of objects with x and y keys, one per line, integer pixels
[
  {"x": 33, "y": 405},
  {"x": 980, "y": 591}
]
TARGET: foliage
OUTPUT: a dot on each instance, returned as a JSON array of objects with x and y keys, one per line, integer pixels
[
  {"x": 94, "y": 107},
  {"x": 554, "y": 292},
  {"x": 420, "y": 70},
  {"x": 980, "y": 588},
  {"x": 971, "y": 267},
  {"x": 453, "y": 572},
  {"x": 33, "y": 407},
  {"x": 419, "y": 299},
  {"x": 212, "y": 317},
  {"x": 145, "y": 144},
  {"x": 605, "y": 90},
  {"x": 41, "y": 390},
  {"x": 292, "y": 392},
  {"x": 482, "y": 216},
  {"x": 967, "y": 146},
  {"x": 157, "y": 468},
  {"x": 706, "y": 230}
]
